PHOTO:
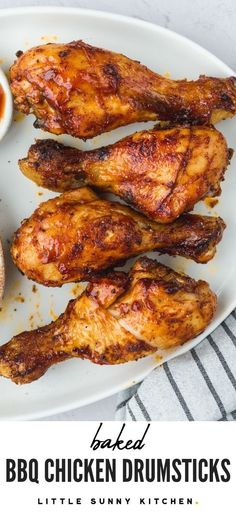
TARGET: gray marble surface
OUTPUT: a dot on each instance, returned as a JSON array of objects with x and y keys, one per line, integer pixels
[{"x": 211, "y": 23}]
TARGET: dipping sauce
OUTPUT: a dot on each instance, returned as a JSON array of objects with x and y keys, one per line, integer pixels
[{"x": 2, "y": 101}]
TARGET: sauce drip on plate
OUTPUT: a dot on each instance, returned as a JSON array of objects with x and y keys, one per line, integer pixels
[{"x": 2, "y": 101}]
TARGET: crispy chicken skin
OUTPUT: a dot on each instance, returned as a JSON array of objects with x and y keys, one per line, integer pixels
[
  {"x": 77, "y": 235},
  {"x": 83, "y": 91},
  {"x": 119, "y": 318},
  {"x": 161, "y": 172}
]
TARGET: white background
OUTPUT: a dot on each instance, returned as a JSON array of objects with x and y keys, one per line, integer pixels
[
  {"x": 163, "y": 440},
  {"x": 211, "y": 23}
]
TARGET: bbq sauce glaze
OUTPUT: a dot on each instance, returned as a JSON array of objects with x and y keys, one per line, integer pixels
[{"x": 2, "y": 101}]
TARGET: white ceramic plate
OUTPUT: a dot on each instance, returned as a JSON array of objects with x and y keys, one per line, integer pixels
[{"x": 76, "y": 382}]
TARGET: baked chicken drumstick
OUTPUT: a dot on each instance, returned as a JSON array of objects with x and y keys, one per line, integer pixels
[
  {"x": 161, "y": 172},
  {"x": 119, "y": 318},
  {"x": 84, "y": 91},
  {"x": 77, "y": 235}
]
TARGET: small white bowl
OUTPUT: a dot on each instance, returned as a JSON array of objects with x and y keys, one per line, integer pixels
[{"x": 6, "y": 116}]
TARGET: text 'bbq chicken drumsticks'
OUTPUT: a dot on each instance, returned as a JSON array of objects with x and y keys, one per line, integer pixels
[
  {"x": 77, "y": 235},
  {"x": 161, "y": 172},
  {"x": 84, "y": 91},
  {"x": 119, "y": 318}
]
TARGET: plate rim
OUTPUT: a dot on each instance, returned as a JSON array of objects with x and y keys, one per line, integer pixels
[
  {"x": 27, "y": 10},
  {"x": 11, "y": 11}
]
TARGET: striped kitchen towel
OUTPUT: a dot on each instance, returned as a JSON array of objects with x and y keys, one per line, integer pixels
[{"x": 197, "y": 386}]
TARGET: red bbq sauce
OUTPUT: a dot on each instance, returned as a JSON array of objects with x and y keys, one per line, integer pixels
[{"x": 2, "y": 101}]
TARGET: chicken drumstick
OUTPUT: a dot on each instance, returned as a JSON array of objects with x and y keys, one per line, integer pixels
[
  {"x": 77, "y": 235},
  {"x": 119, "y": 318},
  {"x": 84, "y": 91},
  {"x": 161, "y": 172}
]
